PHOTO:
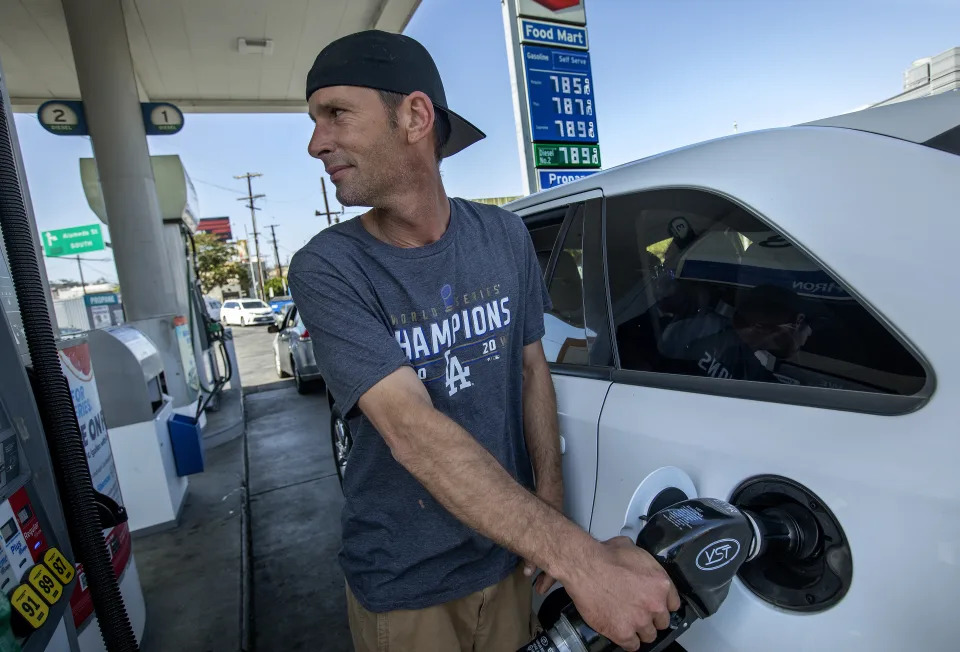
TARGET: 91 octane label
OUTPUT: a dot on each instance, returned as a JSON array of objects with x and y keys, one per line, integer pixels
[{"x": 29, "y": 605}]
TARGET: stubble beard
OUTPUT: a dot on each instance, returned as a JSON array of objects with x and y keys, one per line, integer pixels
[{"x": 373, "y": 189}]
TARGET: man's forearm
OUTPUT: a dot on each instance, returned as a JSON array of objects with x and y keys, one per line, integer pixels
[
  {"x": 473, "y": 486},
  {"x": 541, "y": 431}
]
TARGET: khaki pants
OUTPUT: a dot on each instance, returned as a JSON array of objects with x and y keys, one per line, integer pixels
[{"x": 496, "y": 619}]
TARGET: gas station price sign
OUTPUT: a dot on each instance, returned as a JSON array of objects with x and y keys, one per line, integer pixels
[
  {"x": 560, "y": 92},
  {"x": 553, "y": 155}
]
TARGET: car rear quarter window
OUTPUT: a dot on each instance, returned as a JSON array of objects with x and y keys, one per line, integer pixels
[
  {"x": 565, "y": 336},
  {"x": 701, "y": 287}
]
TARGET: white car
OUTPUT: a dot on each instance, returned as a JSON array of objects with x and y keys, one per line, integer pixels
[
  {"x": 245, "y": 312},
  {"x": 769, "y": 319}
]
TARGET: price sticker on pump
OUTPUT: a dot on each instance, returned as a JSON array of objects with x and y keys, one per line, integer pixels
[
  {"x": 560, "y": 91},
  {"x": 30, "y": 605},
  {"x": 45, "y": 583},
  {"x": 57, "y": 563}
]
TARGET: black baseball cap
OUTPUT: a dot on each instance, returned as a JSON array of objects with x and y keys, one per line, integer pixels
[{"x": 389, "y": 62}]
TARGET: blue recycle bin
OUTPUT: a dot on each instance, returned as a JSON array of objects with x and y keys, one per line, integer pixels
[{"x": 187, "y": 442}]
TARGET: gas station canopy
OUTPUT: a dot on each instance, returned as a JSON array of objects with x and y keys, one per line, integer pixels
[{"x": 213, "y": 56}]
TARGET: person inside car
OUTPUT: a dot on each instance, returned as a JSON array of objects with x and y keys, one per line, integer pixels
[{"x": 747, "y": 342}]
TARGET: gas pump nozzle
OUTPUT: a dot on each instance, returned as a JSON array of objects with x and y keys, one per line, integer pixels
[{"x": 701, "y": 543}]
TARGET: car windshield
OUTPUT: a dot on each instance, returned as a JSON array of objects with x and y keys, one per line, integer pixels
[{"x": 254, "y": 304}]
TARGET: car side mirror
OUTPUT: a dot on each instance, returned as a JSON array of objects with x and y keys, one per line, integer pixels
[{"x": 272, "y": 328}]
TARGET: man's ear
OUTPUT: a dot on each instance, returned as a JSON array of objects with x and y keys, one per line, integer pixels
[{"x": 418, "y": 116}]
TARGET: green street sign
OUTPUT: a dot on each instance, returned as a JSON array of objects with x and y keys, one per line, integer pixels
[
  {"x": 549, "y": 155},
  {"x": 72, "y": 241}
]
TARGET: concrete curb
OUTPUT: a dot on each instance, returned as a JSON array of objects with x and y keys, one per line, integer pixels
[{"x": 246, "y": 550}]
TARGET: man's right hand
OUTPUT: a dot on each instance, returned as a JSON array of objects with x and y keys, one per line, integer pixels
[{"x": 623, "y": 593}]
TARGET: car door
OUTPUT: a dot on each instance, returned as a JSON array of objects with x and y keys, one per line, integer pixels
[
  {"x": 283, "y": 339},
  {"x": 228, "y": 312},
  {"x": 567, "y": 239},
  {"x": 294, "y": 330},
  {"x": 744, "y": 366}
]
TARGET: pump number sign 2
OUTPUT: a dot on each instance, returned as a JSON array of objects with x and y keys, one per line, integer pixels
[{"x": 560, "y": 91}]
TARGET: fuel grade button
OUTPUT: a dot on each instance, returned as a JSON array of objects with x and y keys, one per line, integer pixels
[
  {"x": 28, "y": 604},
  {"x": 56, "y": 562},
  {"x": 41, "y": 579}
]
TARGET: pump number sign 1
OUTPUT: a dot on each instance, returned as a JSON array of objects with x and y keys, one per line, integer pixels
[{"x": 560, "y": 91}]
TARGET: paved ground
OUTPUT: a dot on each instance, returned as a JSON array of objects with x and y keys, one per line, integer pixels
[
  {"x": 298, "y": 592},
  {"x": 192, "y": 577}
]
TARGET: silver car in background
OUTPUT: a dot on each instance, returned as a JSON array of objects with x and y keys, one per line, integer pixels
[{"x": 293, "y": 351}]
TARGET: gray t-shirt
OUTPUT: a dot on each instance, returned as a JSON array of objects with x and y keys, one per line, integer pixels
[{"x": 459, "y": 311}]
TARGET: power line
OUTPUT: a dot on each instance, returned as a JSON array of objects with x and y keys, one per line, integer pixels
[{"x": 208, "y": 183}]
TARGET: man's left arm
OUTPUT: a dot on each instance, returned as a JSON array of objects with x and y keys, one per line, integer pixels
[{"x": 542, "y": 436}]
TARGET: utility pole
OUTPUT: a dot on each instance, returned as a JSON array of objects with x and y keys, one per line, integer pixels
[
  {"x": 326, "y": 205},
  {"x": 82, "y": 284},
  {"x": 276, "y": 257},
  {"x": 253, "y": 273},
  {"x": 253, "y": 218}
]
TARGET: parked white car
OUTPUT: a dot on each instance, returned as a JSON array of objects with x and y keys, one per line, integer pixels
[
  {"x": 246, "y": 312},
  {"x": 768, "y": 319}
]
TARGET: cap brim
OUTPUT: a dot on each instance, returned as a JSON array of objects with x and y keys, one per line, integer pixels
[{"x": 462, "y": 134}]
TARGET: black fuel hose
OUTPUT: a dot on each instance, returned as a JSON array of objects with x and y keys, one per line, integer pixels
[{"x": 56, "y": 408}]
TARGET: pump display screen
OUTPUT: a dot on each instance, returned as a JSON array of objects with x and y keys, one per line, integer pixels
[
  {"x": 8, "y": 530},
  {"x": 24, "y": 514}
]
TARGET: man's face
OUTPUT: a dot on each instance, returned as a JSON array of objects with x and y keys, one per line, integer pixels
[{"x": 360, "y": 148}]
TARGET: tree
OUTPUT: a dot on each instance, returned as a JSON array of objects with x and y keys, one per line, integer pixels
[
  {"x": 274, "y": 284},
  {"x": 217, "y": 264}
]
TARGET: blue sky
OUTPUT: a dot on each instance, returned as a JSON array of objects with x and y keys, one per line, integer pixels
[{"x": 667, "y": 73}]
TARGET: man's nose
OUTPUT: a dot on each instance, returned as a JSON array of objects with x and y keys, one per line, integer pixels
[{"x": 320, "y": 142}]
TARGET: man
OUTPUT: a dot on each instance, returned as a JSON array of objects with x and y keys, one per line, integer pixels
[{"x": 426, "y": 315}]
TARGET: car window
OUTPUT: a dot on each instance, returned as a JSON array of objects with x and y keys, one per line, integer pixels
[
  {"x": 253, "y": 305},
  {"x": 543, "y": 239},
  {"x": 699, "y": 286},
  {"x": 230, "y": 304},
  {"x": 565, "y": 338}
]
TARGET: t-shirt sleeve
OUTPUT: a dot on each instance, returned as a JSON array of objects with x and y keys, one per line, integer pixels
[
  {"x": 353, "y": 345},
  {"x": 537, "y": 299}
]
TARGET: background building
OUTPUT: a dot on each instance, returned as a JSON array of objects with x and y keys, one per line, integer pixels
[{"x": 929, "y": 76}]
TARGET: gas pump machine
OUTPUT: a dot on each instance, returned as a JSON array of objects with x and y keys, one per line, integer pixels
[
  {"x": 51, "y": 516},
  {"x": 37, "y": 574}
]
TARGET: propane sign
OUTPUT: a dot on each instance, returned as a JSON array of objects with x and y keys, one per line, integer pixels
[{"x": 554, "y": 104}]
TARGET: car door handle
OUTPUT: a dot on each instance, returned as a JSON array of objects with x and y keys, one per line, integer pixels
[{"x": 563, "y": 445}]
